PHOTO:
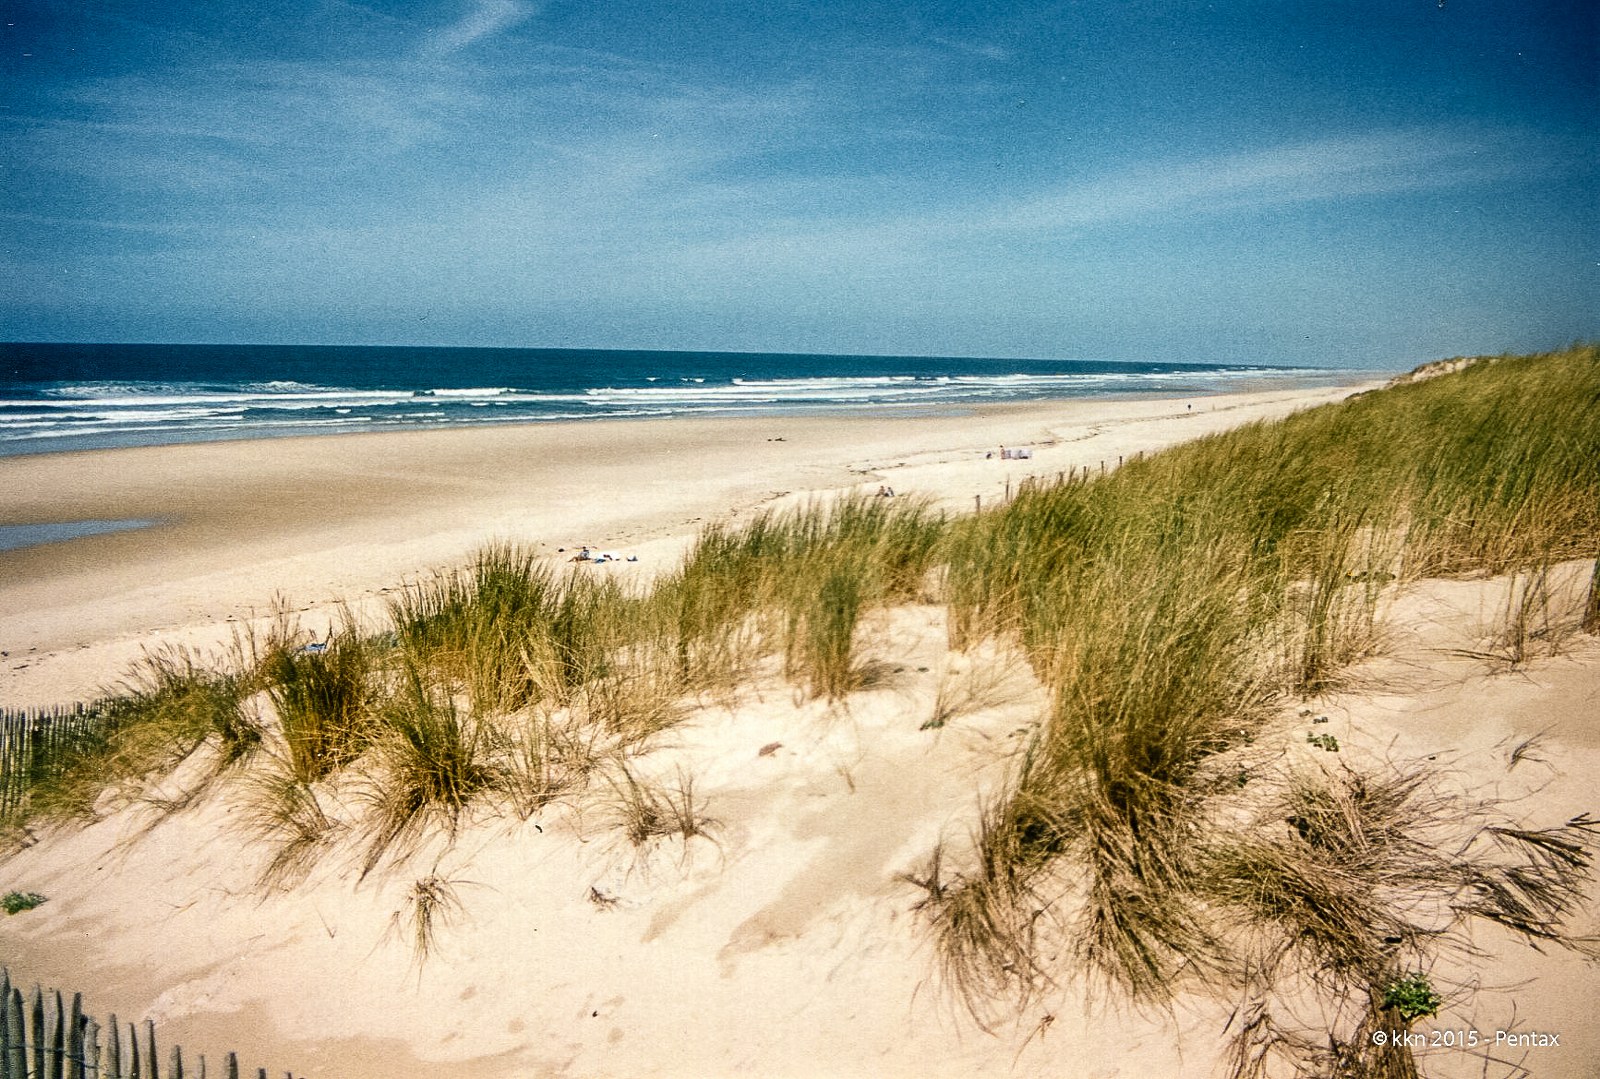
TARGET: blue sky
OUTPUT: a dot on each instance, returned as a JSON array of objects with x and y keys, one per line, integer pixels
[{"x": 1351, "y": 182}]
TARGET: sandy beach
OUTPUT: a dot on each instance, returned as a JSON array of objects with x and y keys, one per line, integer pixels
[
  {"x": 322, "y": 520},
  {"x": 784, "y": 942}
]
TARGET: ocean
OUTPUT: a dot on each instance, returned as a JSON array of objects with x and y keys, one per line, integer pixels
[{"x": 57, "y": 397}]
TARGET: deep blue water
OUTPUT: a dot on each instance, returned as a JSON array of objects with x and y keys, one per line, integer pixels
[{"x": 68, "y": 396}]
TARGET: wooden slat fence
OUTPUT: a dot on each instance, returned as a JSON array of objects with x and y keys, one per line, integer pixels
[
  {"x": 37, "y": 743},
  {"x": 43, "y": 1037}
]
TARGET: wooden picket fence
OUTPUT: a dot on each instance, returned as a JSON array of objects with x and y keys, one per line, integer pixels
[
  {"x": 49, "y": 1039},
  {"x": 36, "y": 744}
]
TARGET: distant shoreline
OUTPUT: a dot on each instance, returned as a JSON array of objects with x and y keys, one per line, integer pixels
[
  {"x": 63, "y": 399},
  {"x": 951, "y": 410},
  {"x": 318, "y": 520}
]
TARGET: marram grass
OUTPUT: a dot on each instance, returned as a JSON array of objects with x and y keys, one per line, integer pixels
[{"x": 1168, "y": 604}]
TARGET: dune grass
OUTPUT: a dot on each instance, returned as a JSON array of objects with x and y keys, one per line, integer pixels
[
  {"x": 169, "y": 703},
  {"x": 324, "y": 701},
  {"x": 798, "y": 582},
  {"x": 432, "y": 759},
  {"x": 1168, "y": 605},
  {"x": 483, "y": 630},
  {"x": 644, "y": 810},
  {"x": 431, "y": 903},
  {"x": 285, "y": 813}
]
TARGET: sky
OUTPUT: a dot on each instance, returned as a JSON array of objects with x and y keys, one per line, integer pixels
[{"x": 1361, "y": 183}]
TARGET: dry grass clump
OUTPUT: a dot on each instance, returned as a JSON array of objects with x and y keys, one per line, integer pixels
[
  {"x": 1344, "y": 884},
  {"x": 643, "y": 811},
  {"x": 987, "y": 919},
  {"x": 541, "y": 758},
  {"x": 429, "y": 904},
  {"x": 285, "y": 812},
  {"x": 971, "y": 686}
]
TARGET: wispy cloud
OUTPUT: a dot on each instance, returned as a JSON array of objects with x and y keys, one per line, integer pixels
[
  {"x": 486, "y": 19},
  {"x": 984, "y": 49},
  {"x": 1154, "y": 194},
  {"x": 1263, "y": 178}
]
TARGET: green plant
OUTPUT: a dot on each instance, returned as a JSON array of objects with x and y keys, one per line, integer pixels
[
  {"x": 1166, "y": 604},
  {"x": 1325, "y": 742},
  {"x": 484, "y": 629},
  {"x": 801, "y": 579},
  {"x": 1412, "y": 996},
  {"x": 17, "y": 902},
  {"x": 823, "y": 649}
]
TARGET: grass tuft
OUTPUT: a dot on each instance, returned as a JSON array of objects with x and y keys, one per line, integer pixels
[
  {"x": 324, "y": 701},
  {"x": 644, "y": 812},
  {"x": 432, "y": 761},
  {"x": 283, "y": 811},
  {"x": 430, "y": 903}
]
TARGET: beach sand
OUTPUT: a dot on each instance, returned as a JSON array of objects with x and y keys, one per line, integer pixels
[
  {"x": 783, "y": 945},
  {"x": 320, "y": 520}
]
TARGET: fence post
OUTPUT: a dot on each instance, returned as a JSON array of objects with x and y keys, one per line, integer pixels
[
  {"x": 58, "y": 1041},
  {"x": 113, "y": 1049},
  {"x": 38, "y": 1041},
  {"x": 15, "y": 1064},
  {"x": 75, "y": 1053},
  {"x": 12, "y": 1054},
  {"x": 91, "y": 1049},
  {"x": 37, "y": 1023}
]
